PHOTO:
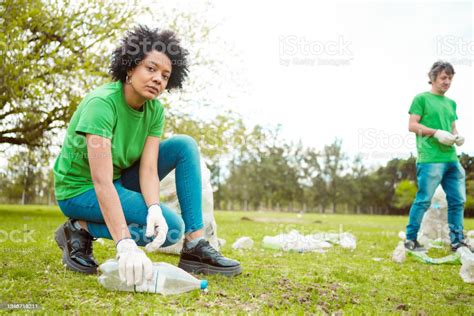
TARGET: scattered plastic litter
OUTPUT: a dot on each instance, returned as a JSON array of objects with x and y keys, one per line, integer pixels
[
  {"x": 294, "y": 241},
  {"x": 467, "y": 260},
  {"x": 221, "y": 242},
  {"x": 434, "y": 229},
  {"x": 402, "y": 235},
  {"x": 434, "y": 233},
  {"x": 399, "y": 254},
  {"x": 243, "y": 243},
  {"x": 423, "y": 257},
  {"x": 347, "y": 241}
]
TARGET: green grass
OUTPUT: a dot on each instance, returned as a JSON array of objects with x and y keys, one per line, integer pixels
[{"x": 272, "y": 281}]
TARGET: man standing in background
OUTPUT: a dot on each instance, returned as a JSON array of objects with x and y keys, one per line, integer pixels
[{"x": 433, "y": 119}]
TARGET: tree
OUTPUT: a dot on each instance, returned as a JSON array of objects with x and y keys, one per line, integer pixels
[
  {"x": 334, "y": 160},
  {"x": 52, "y": 52},
  {"x": 353, "y": 185},
  {"x": 405, "y": 193},
  {"x": 467, "y": 163},
  {"x": 27, "y": 176}
]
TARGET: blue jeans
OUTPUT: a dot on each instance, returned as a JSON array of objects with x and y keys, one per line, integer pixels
[
  {"x": 179, "y": 152},
  {"x": 451, "y": 176}
]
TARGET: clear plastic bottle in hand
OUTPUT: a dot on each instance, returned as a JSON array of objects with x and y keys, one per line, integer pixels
[{"x": 167, "y": 279}]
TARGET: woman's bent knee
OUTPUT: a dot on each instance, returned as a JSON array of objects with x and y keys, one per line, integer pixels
[{"x": 186, "y": 142}]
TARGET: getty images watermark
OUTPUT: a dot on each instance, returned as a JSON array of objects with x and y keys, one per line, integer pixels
[
  {"x": 455, "y": 49},
  {"x": 301, "y": 51}
]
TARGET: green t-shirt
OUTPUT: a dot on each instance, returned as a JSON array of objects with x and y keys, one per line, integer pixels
[
  {"x": 104, "y": 112},
  {"x": 437, "y": 112}
]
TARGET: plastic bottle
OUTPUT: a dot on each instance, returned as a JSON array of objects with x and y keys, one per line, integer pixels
[
  {"x": 243, "y": 243},
  {"x": 467, "y": 268},
  {"x": 167, "y": 279},
  {"x": 294, "y": 241},
  {"x": 347, "y": 240},
  {"x": 272, "y": 242},
  {"x": 399, "y": 254}
]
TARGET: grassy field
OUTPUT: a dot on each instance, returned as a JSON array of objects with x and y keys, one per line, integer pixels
[{"x": 339, "y": 281}]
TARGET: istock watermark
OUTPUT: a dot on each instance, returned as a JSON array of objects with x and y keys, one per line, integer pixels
[
  {"x": 371, "y": 138},
  {"x": 301, "y": 51},
  {"x": 379, "y": 144},
  {"x": 24, "y": 235},
  {"x": 455, "y": 49}
]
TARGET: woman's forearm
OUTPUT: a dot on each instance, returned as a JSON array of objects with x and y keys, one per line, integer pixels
[
  {"x": 112, "y": 211},
  {"x": 150, "y": 186}
]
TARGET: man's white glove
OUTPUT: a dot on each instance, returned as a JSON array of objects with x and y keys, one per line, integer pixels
[
  {"x": 444, "y": 137},
  {"x": 460, "y": 140},
  {"x": 134, "y": 265},
  {"x": 155, "y": 226}
]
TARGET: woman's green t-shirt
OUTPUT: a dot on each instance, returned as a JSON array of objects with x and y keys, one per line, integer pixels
[{"x": 104, "y": 112}]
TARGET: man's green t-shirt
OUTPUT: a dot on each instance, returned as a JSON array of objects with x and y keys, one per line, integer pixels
[
  {"x": 437, "y": 112},
  {"x": 104, "y": 112}
]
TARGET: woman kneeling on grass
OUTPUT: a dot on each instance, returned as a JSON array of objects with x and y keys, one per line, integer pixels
[{"x": 107, "y": 176}]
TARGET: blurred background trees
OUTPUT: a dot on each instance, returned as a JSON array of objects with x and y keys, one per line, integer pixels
[{"x": 53, "y": 52}]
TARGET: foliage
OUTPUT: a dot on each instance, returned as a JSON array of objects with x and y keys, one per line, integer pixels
[
  {"x": 53, "y": 52},
  {"x": 405, "y": 193},
  {"x": 28, "y": 178}
]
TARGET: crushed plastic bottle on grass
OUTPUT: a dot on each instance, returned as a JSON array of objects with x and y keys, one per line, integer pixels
[
  {"x": 399, "y": 254},
  {"x": 243, "y": 243},
  {"x": 467, "y": 260},
  {"x": 167, "y": 279},
  {"x": 319, "y": 242}
]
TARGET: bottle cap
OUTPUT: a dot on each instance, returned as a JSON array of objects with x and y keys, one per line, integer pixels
[{"x": 203, "y": 284}]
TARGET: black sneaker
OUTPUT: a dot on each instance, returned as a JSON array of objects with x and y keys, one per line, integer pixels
[
  {"x": 462, "y": 243},
  {"x": 414, "y": 245},
  {"x": 76, "y": 245},
  {"x": 207, "y": 260}
]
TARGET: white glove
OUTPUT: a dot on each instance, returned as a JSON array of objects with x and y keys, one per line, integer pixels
[
  {"x": 134, "y": 265},
  {"x": 155, "y": 226},
  {"x": 460, "y": 140},
  {"x": 444, "y": 137}
]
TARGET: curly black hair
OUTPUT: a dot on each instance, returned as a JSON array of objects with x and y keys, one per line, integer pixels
[{"x": 138, "y": 43}]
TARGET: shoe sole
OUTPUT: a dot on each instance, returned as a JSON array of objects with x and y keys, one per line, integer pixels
[
  {"x": 60, "y": 238},
  {"x": 204, "y": 268}
]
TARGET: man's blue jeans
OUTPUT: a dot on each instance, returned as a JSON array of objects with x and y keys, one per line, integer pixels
[
  {"x": 179, "y": 152},
  {"x": 451, "y": 176}
]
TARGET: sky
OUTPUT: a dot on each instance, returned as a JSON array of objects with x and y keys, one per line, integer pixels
[{"x": 349, "y": 70}]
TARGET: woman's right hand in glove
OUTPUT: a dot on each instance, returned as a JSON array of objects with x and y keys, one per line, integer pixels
[{"x": 134, "y": 265}]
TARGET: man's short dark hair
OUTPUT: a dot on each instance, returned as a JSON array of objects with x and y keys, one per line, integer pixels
[
  {"x": 437, "y": 68},
  {"x": 138, "y": 43}
]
